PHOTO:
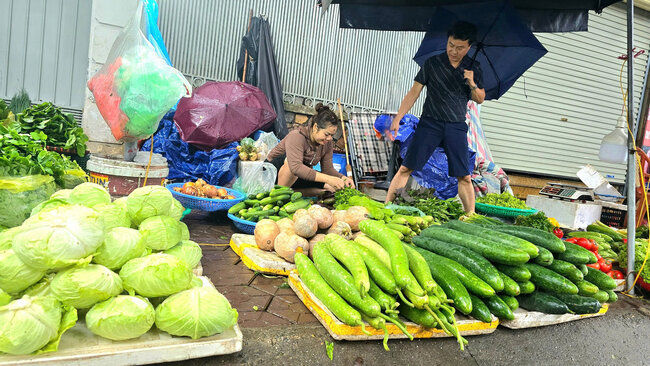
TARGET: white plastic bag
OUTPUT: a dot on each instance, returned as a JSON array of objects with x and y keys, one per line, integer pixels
[
  {"x": 265, "y": 143},
  {"x": 255, "y": 177}
]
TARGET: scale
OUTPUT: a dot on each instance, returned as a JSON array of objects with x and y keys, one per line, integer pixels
[{"x": 567, "y": 192}]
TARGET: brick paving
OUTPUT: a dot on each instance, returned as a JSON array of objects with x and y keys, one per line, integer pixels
[{"x": 246, "y": 290}]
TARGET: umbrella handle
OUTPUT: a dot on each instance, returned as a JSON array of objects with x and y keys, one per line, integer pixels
[{"x": 348, "y": 168}]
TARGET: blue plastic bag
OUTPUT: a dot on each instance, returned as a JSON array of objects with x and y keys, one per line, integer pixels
[
  {"x": 434, "y": 174},
  {"x": 186, "y": 162},
  {"x": 151, "y": 29}
]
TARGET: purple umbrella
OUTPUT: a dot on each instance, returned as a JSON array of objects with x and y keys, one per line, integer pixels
[{"x": 219, "y": 113}]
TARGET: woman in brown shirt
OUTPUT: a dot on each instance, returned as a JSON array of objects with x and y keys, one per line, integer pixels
[{"x": 304, "y": 147}]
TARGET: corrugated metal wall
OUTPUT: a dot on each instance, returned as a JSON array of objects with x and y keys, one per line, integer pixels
[
  {"x": 44, "y": 47},
  {"x": 577, "y": 80},
  {"x": 315, "y": 57},
  {"x": 573, "y": 100}
]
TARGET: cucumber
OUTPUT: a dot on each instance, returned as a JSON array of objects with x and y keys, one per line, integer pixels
[
  {"x": 600, "y": 279},
  {"x": 512, "y": 303},
  {"x": 545, "y": 257},
  {"x": 510, "y": 287},
  {"x": 567, "y": 270},
  {"x": 417, "y": 316},
  {"x": 577, "y": 255},
  {"x": 517, "y": 273},
  {"x": 450, "y": 284},
  {"x": 538, "y": 237},
  {"x": 582, "y": 268},
  {"x": 612, "y": 296},
  {"x": 480, "y": 311},
  {"x": 602, "y": 296},
  {"x": 472, "y": 282},
  {"x": 547, "y": 280},
  {"x": 495, "y": 252},
  {"x": 586, "y": 288},
  {"x": 542, "y": 302},
  {"x": 495, "y": 236},
  {"x": 251, "y": 203},
  {"x": 499, "y": 308},
  {"x": 296, "y": 196},
  {"x": 274, "y": 199},
  {"x": 237, "y": 207},
  {"x": 281, "y": 192},
  {"x": 579, "y": 304},
  {"x": 526, "y": 287},
  {"x": 295, "y": 206},
  {"x": 469, "y": 259}
]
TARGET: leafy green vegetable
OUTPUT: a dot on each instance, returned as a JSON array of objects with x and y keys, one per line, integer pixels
[
  {"x": 121, "y": 317},
  {"x": 22, "y": 194},
  {"x": 342, "y": 196},
  {"x": 504, "y": 200},
  {"x": 329, "y": 348},
  {"x": 537, "y": 220},
  {"x": 89, "y": 195},
  {"x": 160, "y": 232},
  {"x": 16, "y": 276},
  {"x": 642, "y": 232},
  {"x": 156, "y": 275},
  {"x": 32, "y": 323},
  {"x": 7, "y": 236},
  {"x": 60, "y": 128},
  {"x": 640, "y": 249},
  {"x": 149, "y": 201},
  {"x": 195, "y": 313},
  {"x": 5, "y": 298},
  {"x": 113, "y": 215},
  {"x": 19, "y": 102},
  {"x": 59, "y": 238},
  {"x": 83, "y": 287},
  {"x": 424, "y": 200},
  {"x": 121, "y": 244},
  {"x": 187, "y": 251}
]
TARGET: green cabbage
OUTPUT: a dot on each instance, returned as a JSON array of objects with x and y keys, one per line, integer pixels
[
  {"x": 113, "y": 215},
  {"x": 89, "y": 195},
  {"x": 15, "y": 276},
  {"x": 156, "y": 275},
  {"x": 5, "y": 298},
  {"x": 62, "y": 194},
  {"x": 149, "y": 201},
  {"x": 177, "y": 209},
  {"x": 83, "y": 287},
  {"x": 50, "y": 204},
  {"x": 185, "y": 232},
  {"x": 197, "y": 312},
  {"x": 31, "y": 324},
  {"x": 42, "y": 287},
  {"x": 120, "y": 246},
  {"x": 7, "y": 237},
  {"x": 188, "y": 251},
  {"x": 121, "y": 317},
  {"x": 160, "y": 232},
  {"x": 59, "y": 238}
]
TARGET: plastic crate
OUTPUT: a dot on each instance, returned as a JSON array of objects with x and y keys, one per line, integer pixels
[
  {"x": 206, "y": 204},
  {"x": 245, "y": 226},
  {"x": 503, "y": 211},
  {"x": 613, "y": 217}
]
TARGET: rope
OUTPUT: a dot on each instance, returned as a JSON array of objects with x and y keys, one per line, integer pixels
[{"x": 146, "y": 173}]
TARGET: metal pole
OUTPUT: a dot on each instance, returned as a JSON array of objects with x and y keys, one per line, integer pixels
[
  {"x": 642, "y": 118},
  {"x": 631, "y": 161}
]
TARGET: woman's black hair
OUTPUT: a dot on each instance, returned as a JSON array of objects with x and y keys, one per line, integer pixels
[
  {"x": 324, "y": 117},
  {"x": 464, "y": 31}
]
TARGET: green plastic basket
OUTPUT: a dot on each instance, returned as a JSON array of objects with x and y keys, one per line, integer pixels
[{"x": 503, "y": 211}]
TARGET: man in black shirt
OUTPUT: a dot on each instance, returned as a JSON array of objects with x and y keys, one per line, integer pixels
[{"x": 452, "y": 79}]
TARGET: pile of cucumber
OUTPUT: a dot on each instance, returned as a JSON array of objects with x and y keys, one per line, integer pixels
[
  {"x": 375, "y": 279},
  {"x": 278, "y": 203},
  {"x": 488, "y": 269}
]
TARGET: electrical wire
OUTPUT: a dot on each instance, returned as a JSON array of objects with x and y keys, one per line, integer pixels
[
  {"x": 146, "y": 173},
  {"x": 643, "y": 184}
]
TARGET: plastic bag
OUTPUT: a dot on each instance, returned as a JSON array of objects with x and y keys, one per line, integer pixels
[
  {"x": 71, "y": 178},
  {"x": 265, "y": 143},
  {"x": 255, "y": 177},
  {"x": 19, "y": 195},
  {"x": 136, "y": 86}
]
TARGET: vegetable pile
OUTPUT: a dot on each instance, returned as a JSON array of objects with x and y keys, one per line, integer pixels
[
  {"x": 248, "y": 151},
  {"x": 202, "y": 189},
  {"x": 424, "y": 200},
  {"x": 60, "y": 128},
  {"x": 78, "y": 250},
  {"x": 278, "y": 203},
  {"x": 503, "y": 199}
]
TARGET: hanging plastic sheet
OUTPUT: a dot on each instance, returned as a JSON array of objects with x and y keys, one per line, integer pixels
[{"x": 186, "y": 162}]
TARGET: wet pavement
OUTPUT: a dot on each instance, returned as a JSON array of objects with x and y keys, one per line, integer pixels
[{"x": 283, "y": 332}]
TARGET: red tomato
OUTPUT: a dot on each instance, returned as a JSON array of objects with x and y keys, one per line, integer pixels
[
  {"x": 610, "y": 274},
  {"x": 617, "y": 274},
  {"x": 605, "y": 265},
  {"x": 594, "y": 265},
  {"x": 558, "y": 232},
  {"x": 598, "y": 256},
  {"x": 584, "y": 242},
  {"x": 572, "y": 240}
]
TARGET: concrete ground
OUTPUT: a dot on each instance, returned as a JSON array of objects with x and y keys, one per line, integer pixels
[{"x": 279, "y": 330}]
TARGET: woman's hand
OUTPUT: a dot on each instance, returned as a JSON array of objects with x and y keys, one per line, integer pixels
[
  {"x": 348, "y": 182},
  {"x": 336, "y": 183}
]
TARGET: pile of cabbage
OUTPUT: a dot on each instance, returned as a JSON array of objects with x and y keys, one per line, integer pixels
[{"x": 112, "y": 261}]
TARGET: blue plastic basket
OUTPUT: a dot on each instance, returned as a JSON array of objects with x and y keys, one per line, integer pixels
[
  {"x": 245, "y": 226},
  {"x": 206, "y": 204}
]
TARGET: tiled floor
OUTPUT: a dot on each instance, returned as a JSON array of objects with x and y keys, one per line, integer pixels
[{"x": 246, "y": 290}]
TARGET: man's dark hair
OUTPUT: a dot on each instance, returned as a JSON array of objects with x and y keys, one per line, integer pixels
[{"x": 464, "y": 31}]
